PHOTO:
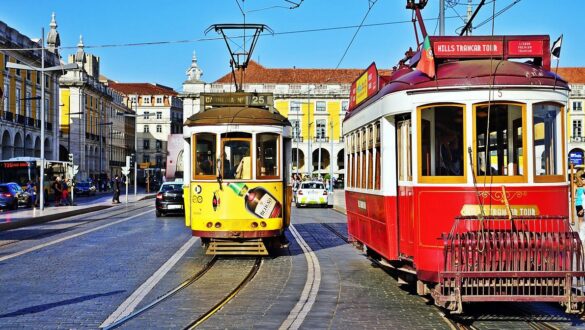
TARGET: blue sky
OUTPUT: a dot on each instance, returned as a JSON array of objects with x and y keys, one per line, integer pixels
[{"x": 108, "y": 22}]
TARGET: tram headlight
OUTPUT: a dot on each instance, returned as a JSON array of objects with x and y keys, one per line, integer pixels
[
  {"x": 218, "y": 225},
  {"x": 262, "y": 224},
  {"x": 254, "y": 224},
  {"x": 209, "y": 224}
]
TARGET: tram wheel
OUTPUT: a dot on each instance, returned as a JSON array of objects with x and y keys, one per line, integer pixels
[{"x": 297, "y": 205}]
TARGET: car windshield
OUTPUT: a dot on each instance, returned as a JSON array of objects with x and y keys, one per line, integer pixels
[
  {"x": 169, "y": 187},
  {"x": 312, "y": 185}
]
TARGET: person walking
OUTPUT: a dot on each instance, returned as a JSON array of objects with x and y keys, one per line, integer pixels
[
  {"x": 57, "y": 190},
  {"x": 30, "y": 189},
  {"x": 116, "y": 198}
]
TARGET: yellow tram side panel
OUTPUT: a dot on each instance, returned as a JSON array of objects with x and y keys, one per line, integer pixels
[
  {"x": 230, "y": 206},
  {"x": 187, "y": 199}
]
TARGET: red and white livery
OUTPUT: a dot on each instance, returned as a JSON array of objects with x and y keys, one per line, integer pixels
[{"x": 460, "y": 180}]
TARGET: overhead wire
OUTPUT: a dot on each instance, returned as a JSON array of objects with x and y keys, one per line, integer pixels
[{"x": 370, "y": 6}]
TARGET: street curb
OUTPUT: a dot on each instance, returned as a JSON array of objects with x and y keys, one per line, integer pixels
[
  {"x": 50, "y": 217},
  {"x": 150, "y": 196},
  {"x": 339, "y": 209}
]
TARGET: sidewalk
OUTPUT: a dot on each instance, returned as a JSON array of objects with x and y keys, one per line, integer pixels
[{"x": 27, "y": 216}]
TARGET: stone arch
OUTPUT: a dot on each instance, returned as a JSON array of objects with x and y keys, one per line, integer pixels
[
  {"x": 7, "y": 147},
  {"x": 18, "y": 145},
  {"x": 301, "y": 160},
  {"x": 38, "y": 147},
  {"x": 325, "y": 160},
  {"x": 340, "y": 159},
  {"x": 28, "y": 146},
  {"x": 48, "y": 148}
]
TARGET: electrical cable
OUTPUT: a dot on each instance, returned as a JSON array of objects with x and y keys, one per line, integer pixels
[{"x": 370, "y": 6}]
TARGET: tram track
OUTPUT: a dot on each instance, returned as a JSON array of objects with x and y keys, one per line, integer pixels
[
  {"x": 74, "y": 226},
  {"x": 194, "y": 278}
]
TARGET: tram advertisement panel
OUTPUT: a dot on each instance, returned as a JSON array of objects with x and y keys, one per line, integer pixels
[
  {"x": 364, "y": 87},
  {"x": 237, "y": 200}
]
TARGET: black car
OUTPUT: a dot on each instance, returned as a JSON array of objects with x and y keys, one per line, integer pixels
[
  {"x": 169, "y": 199},
  {"x": 12, "y": 196},
  {"x": 84, "y": 188}
]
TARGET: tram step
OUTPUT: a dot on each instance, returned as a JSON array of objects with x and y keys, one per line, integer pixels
[{"x": 250, "y": 247}]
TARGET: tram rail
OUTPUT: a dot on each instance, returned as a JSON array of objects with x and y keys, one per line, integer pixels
[{"x": 194, "y": 278}]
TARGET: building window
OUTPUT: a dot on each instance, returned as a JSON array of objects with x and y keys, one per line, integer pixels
[
  {"x": 146, "y": 129},
  {"x": 158, "y": 161},
  {"x": 159, "y": 100},
  {"x": 146, "y": 115},
  {"x": 133, "y": 99},
  {"x": 547, "y": 139},
  {"x": 146, "y": 99},
  {"x": 27, "y": 104},
  {"x": 6, "y": 96},
  {"x": 344, "y": 105},
  {"x": 321, "y": 106},
  {"x": 296, "y": 128},
  {"x": 146, "y": 158},
  {"x": 18, "y": 100},
  {"x": 158, "y": 144},
  {"x": 295, "y": 106},
  {"x": 38, "y": 110},
  {"x": 146, "y": 144},
  {"x": 159, "y": 115},
  {"x": 321, "y": 129},
  {"x": 577, "y": 128},
  {"x": 28, "y": 73},
  {"x": 6, "y": 60},
  {"x": 159, "y": 128},
  {"x": 577, "y": 106}
]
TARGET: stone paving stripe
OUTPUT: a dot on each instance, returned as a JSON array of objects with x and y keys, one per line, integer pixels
[
  {"x": 129, "y": 305},
  {"x": 38, "y": 247},
  {"x": 303, "y": 307}
]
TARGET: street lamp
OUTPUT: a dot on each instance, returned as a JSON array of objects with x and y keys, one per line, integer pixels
[{"x": 42, "y": 70}]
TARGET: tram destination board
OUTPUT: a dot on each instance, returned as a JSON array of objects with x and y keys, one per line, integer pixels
[{"x": 237, "y": 99}]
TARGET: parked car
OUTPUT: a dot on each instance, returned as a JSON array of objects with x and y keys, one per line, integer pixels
[
  {"x": 312, "y": 193},
  {"x": 84, "y": 188},
  {"x": 12, "y": 196},
  {"x": 169, "y": 199}
]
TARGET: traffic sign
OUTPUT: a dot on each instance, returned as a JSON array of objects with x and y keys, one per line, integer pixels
[
  {"x": 125, "y": 170},
  {"x": 128, "y": 161}
]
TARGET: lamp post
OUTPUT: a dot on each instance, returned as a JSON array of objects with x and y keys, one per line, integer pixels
[
  {"x": 331, "y": 156},
  {"x": 42, "y": 70},
  {"x": 135, "y": 115}
]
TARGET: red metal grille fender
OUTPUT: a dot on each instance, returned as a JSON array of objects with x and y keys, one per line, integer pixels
[{"x": 523, "y": 259}]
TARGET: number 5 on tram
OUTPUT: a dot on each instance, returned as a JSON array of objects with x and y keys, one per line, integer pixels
[{"x": 237, "y": 193}]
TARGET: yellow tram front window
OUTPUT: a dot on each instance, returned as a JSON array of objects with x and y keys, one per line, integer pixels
[
  {"x": 547, "y": 135},
  {"x": 236, "y": 156},
  {"x": 499, "y": 144},
  {"x": 204, "y": 156},
  {"x": 441, "y": 143},
  {"x": 267, "y": 147}
]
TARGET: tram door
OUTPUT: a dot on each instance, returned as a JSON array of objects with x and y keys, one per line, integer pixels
[{"x": 404, "y": 191}]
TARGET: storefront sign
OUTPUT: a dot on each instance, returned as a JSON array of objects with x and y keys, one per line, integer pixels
[{"x": 499, "y": 210}]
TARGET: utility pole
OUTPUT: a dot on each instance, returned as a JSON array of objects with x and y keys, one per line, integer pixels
[{"x": 442, "y": 17}]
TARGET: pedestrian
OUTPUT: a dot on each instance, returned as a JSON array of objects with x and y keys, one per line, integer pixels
[
  {"x": 57, "y": 190},
  {"x": 30, "y": 189},
  {"x": 64, "y": 193},
  {"x": 116, "y": 198}
]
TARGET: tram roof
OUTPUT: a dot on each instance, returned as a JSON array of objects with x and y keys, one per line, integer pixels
[
  {"x": 466, "y": 74},
  {"x": 237, "y": 116}
]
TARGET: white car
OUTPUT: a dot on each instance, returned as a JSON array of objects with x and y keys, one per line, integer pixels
[{"x": 313, "y": 193}]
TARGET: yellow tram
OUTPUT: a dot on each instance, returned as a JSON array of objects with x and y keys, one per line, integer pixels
[{"x": 237, "y": 173}]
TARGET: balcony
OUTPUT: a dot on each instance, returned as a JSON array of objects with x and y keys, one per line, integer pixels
[
  {"x": 321, "y": 139},
  {"x": 30, "y": 121},
  {"x": 577, "y": 139},
  {"x": 20, "y": 119},
  {"x": 8, "y": 116},
  {"x": 298, "y": 139}
]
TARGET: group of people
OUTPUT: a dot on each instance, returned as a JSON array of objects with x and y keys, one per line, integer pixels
[{"x": 61, "y": 189}]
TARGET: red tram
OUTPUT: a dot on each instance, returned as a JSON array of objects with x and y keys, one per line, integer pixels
[{"x": 460, "y": 180}]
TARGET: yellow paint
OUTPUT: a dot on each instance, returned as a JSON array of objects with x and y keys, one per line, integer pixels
[
  {"x": 231, "y": 211},
  {"x": 361, "y": 88},
  {"x": 282, "y": 106},
  {"x": 187, "y": 198},
  {"x": 65, "y": 110},
  {"x": 306, "y": 129},
  {"x": 334, "y": 108}
]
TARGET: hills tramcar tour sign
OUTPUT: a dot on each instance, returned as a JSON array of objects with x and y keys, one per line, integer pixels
[{"x": 364, "y": 87}]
